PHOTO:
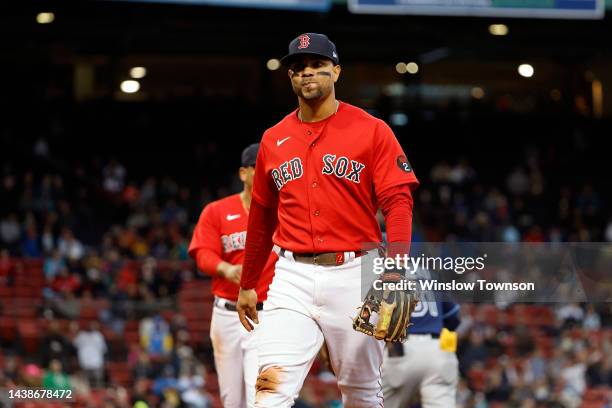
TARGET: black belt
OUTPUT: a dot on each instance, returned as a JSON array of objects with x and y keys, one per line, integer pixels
[{"x": 231, "y": 306}]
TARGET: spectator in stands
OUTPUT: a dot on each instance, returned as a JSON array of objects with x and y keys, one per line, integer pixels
[
  {"x": 65, "y": 282},
  {"x": 148, "y": 192},
  {"x": 143, "y": 367},
  {"x": 55, "y": 346},
  {"x": 173, "y": 213},
  {"x": 114, "y": 177},
  {"x": 169, "y": 280},
  {"x": 10, "y": 231},
  {"x": 591, "y": 321},
  {"x": 191, "y": 386},
  {"x": 140, "y": 394},
  {"x": 573, "y": 376},
  {"x": 155, "y": 336},
  {"x": 166, "y": 386},
  {"x": 517, "y": 182},
  {"x": 31, "y": 375},
  {"x": 149, "y": 276},
  {"x": 183, "y": 355},
  {"x": 498, "y": 386},
  {"x": 598, "y": 370},
  {"x": 473, "y": 351},
  {"x": 11, "y": 369},
  {"x": 30, "y": 246},
  {"x": 536, "y": 365},
  {"x": 55, "y": 378},
  {"x": 47, "y": 239},
  {"x": 570, "y": 315},
  {"x": 116, "y": 314},
  {"x": 94, "y": 281},
  {"x": 70, "y": 247},
  {"x": 53, "y": 265},
  {"x": 91, "y": 348},
  {"x": 66, "y": 305}
]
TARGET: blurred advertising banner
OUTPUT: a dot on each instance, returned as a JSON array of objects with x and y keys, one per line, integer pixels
[
  {"x": 565, "y": 9},
  {"x": 304, "y": 5}
]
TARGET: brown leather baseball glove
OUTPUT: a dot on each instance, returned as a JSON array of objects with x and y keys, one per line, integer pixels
[{"x": 393, "y": 307}]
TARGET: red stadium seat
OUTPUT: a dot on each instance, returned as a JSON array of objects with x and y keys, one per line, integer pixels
[
  {"x": 592, "y": 405},
  {"x": 8, "y": 329},
  {"x": 6, "y": 292},
  {"x": 119, "y": 373},
  {"x": 29, "y": 335},
  {"x": 168, "y": 315},
  {"x": 131, "y": 337},
  {"x": 33, "y": 263},
  {"x": 212, "y": 384},
  {"x": 477, "y": 379},
  {"x": 198, "y": 338}
]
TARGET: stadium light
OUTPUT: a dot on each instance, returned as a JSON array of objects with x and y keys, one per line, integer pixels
[
  {"x": 273, "y": 64},
  {"x": 412, "y": 68},
  {"x": 400, "y": 67},
  {"x": 525, "y": 70},
  {"x": 45, "y": 18},
  {"x": 477, "y": 92},
  {"x": 130, "y": 86},
  {"x": 498, "y": 29},
  {"x": 138, "y": 72}
]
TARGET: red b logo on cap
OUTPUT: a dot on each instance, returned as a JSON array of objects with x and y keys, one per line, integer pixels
[{"x": 304, "y": 41}]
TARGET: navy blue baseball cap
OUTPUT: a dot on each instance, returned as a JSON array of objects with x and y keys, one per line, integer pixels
[
  {"x": 311, "y": 44},
  {"x": 249, "y": 155}
]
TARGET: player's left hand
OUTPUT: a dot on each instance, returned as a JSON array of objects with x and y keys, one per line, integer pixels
[
  {"x": 247, "y": 308},
  {"x": 393, "y": 308}
]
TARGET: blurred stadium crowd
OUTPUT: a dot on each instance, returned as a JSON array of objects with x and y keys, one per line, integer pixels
[{"x": 98, "y": 294}]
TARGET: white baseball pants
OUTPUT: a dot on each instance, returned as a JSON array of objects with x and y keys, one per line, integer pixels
[
  {"x": 306, "y": 305},
  {"x": 235, "y": 355},
  {"x": 424, "y": 367}
]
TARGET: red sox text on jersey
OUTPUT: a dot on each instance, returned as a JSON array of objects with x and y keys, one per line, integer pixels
[
  {"x": 326, "y": 176},
  {"x": 221, "y": 230},
  {"x": 341, "y": 168}
]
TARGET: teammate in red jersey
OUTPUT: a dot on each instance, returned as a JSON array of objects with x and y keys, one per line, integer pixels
[
  {"x": 322, "y": 172},
  {"x": 218, "y": 248}
]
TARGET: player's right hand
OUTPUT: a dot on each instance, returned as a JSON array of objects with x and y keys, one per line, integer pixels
[
  {"x": 230, "y": 272},
  {"x": 247, "y": 308}
]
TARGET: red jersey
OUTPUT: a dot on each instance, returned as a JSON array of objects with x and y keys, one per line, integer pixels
[
  {"x": 326, "y": 177},
  {"x": 221, "y": 230}
]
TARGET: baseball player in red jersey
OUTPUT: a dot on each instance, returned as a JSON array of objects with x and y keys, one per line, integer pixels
[
  {"x": 217, "y": 247},
  {"x": 322, "y": 172}
]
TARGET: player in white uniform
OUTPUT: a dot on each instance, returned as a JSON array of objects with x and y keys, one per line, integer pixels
[
  {"x": 427, "y": 361},
  {"x": 217, "y": 247},
  {"x": 320, "y": 176}
]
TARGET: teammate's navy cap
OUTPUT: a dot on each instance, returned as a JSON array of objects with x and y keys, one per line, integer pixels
[
  {"x": 311, "y": 44},
  {"x": 249, "y": 155}
]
